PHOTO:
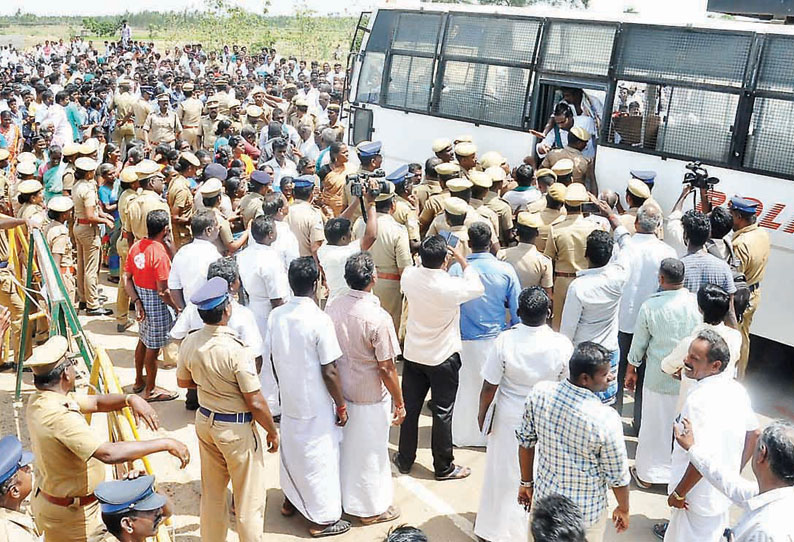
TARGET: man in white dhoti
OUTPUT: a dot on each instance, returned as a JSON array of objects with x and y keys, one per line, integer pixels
[
  {"x": 264, "y": 278},
  {"x": 719, "y": 411},
  {"x": 371, "y": 388},
  {"x": 302, "y": 342},
  {"x": 664, "y": 319},
  {"x": 481, "y": 320},
  {"x": 521, "y": 357}
]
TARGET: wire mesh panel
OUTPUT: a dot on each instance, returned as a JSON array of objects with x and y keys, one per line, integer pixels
[
  {"x": 777, "y": 65},
  {"x": 410, "y": 81},
  {"x": 417, "y": 32},
  {"x": 382, "y": 28},
  {"x": 770, "y": 143},
  {"x": 484, "y": 93},
  {"x": 370, "y": 77},
  {"x": 578, "y": 48},
  {"x": 680, "y": 54},
  {"x": 496, "y": 39}
]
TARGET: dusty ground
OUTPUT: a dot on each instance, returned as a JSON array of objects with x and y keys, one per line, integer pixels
[{"x": 445, "y": 510}]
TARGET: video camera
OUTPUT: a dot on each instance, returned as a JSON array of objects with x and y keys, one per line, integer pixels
[
  {"x": 358, "y": 180},
  {"x": 698, "y": 176}
]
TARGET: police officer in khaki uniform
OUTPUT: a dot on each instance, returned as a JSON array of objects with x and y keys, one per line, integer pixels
[
  {"x": 141, "y": 109},
  {"x": 553, "y": 213},
  {"x": 88, "y": 216},
  {"x": 125, "y": 117},
  {"x": 150, "y": 198},
  {"x": 189, "y": 113},
  {"x": 234, "y": 116},
  {"x": 442, "y": 148},
  {"x": 59, "y": 210},
  {"x": 69, "y": 456},
  {"x": 254, "y": 118},
  {"x": 251, "y": 203},
  {"x": 456, "y": 210},
  {"x": 70, "y": 153},
  {"x": 334, "y": 123},
  {"x": 222, "y": 95},
  {"x": 210, "y": 193},
  {"x": 218, "y": 364},
  {"x": 161, "y": 126},
  {"x": 481, "y": 184},
  {"x": 582, "y": 172},
  {"x": 16, "y": 483},
  {"x": 435, "y": 203},
  {"x": 637, "y": 193},
  {"x": 306, "y": 220},
  {"x": 209, "y": 124},
  {"x": 545, "y": 177},
  {"x": 566, "y": 246},
  {"x": 461, "y": 189},
  {"x": 131, "y": 509},
  {"x": 532, "y": 267},
  {"x": 30, "y": 195},
  {"x": 129, "y": 185},
  {"x": 495, "y": 203},
  {"x": 9, "y": 294},
  {"x": 430, "y": 186},
  {"x": 404, "y": 210},
  {"x": 391, "y": 253},
  {"x": 751, "y": 247},
  {"x": 180, "y": 198},
  {"x": 466, "y": 155}
]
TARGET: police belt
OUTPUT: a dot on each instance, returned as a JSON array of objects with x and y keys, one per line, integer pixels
[
  {"x": 68, "y": 501},
  {"x": 754, "y": 287},
  {"x": 240, "y": 417},
  {"x": 3, "y": 264},
  {"x": 85, "y": 222},
  {"x": 566, "y": 275},
  {"x": 388, "y": 276}
]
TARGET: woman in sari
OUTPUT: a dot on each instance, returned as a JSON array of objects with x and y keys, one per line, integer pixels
[{"x": 52, "y": 174}]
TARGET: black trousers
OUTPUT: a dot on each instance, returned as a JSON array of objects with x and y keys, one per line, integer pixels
[
  {"x": 624, "y": 343},
  {"x": 442, "y": 382}
]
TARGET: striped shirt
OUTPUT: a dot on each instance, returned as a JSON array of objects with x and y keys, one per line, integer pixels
[
  {"x": 580, "y": 449},
  {"x": 703, "y": 268}
]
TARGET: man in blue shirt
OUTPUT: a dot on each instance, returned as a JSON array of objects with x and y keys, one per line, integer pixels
[{"x": 481, "y": 320}]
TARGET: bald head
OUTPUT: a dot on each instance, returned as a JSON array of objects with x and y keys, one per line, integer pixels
[{"x": 609, "y": 197}]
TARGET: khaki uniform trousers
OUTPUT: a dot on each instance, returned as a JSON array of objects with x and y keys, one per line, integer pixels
[
  {"x": 181, "y": 235},
  {"x": 122, "y": 299},
  {"x": 67, "y": 524},
  {"x": 560, "y": 291},
  {"x": 744, "y": 329},
  {"x": 391, "y": 299},
  {"x": 191, "y": 136},
  {"x": 89, "y": 250},
  {"x": 9, "y": 297},
  {"x": 231, "y": 451},
  {"x": 69, "y": 284},
  {"x": 122, "y": 135}
]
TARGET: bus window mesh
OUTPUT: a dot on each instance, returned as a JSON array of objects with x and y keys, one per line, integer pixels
[
  {"x": 777, "y": 65},
  {"x": 578, "y": 48},
  {"x": 370, "y": 77},
  {"x": 770, "y": 143},
  {"x": 678, "y": 54},
  {"x": 417, "y": 32},
  {"x": 497, "y": 39},
  {"x": 484, "y": 93},
  {"x": 409, "y": 82}
]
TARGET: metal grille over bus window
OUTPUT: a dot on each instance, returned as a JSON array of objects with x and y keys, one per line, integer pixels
[
  {"x": 577, "y": 48},
  {"x": 417, "y": 32}
]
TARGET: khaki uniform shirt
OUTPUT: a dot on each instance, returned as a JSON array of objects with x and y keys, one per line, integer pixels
[
  {"x": 30, "y": 210},
  {"x": 581, "y": 165},
  {"x": 440, "y": 223},
  {"x": 189, "y": 112},
  {"x": 488, "y": 214},
  {"x": 162, "y": 128},
  {"x": 125, "y": 200},
  {"x": 5, "y": 200},
  {"x": 251, "y": 206},
  {"x": 628, "y": 220},
  {"x": 237, "y": 124},
  {"x": 207, "y": 132},
  {"x": 405, "y": 214},
  {"x": 390, "y": 251},
  {"x": 532, "y": 267},
  {"x": 17, "y": 527},
  {"x": 63, "y": 445},
  {"x": 142, "y": 109},
  {"x": 57, "y": 235},
  {"x": 223, "y": 101},
  {"x": 307, "y": 225},
  {"x": 125, "y": 112},
  {"x": 537, "y": 205},
  {"x": 567, "y": 242},
  {"x": 68, "y": 177},
  {"x": 308, "y": 119},
  {"x": 423, "y": 191},
  {"x": 84, "y": 195},
  {"x": 221, "y": 366},
  {"x": 751, "y": 247},
  {"x": 502, "y": 210},
  {"x": 433, "y": 207},
  {"x": 225, "y": 235},
  {"x": 549, "y": 217},
  {"x": 140, "y": 207},
  {"x": 180, "y": 197}
]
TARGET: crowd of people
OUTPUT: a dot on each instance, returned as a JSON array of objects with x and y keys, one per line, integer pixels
[{"x": 294, "y": 280}]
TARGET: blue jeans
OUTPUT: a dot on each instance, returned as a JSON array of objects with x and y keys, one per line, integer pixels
[{"x": 608, "y": 396}]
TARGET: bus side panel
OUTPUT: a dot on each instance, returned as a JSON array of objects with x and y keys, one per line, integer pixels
[
  {"x": 773, "y": 319},
  {"x": 408, "y": 137}
]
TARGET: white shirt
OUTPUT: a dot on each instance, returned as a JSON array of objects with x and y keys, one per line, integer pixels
[
  {"x": 286, "y": 243},
  {"x": 62, "y": 130},
  {"x": 582, "y": 121},
  {"x": 264, "y": 278},
  {"x": 519, "y": 199},
  {"x": 309, "y": 149},
  {"x": 719, "y": 409},
  {"x": 332, "y": 259},
  {"x": 289, "y": 169},
  {"x": 645, "y": 252},
  {"x": 190, "y": 265},
  {"x": 241, "y": 321},
  {"x": 301, "y": 339},
  {"x": 522, "y": 356},
  {"x": 767, "y": 516},
  {"x": 432, "y": 332}
]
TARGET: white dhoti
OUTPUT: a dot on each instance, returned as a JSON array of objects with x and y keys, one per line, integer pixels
[
  {"x": 267, "y": 378},
  {"x": 309, "y": 466},
  {"x": 655, "y": 442},
  {"x": 365, "y": 470},
  {"x": 465, "y": 429},
  {"x": 500, "y": 518},
  {"x": 686, "y": 526}
]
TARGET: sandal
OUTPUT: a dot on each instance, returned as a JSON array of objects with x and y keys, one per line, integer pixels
[
  {"x": 138, "y": 389},
  {"x": 340, "y": 527},
  {"x": 455, "y": 474},
  {"x": 390, "y": 514},
  {"x": 159, "y": 396},
  {"x": 287, "y": 508}
]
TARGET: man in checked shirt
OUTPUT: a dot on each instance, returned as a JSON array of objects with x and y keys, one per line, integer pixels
[{"x": 579, "y": 441}]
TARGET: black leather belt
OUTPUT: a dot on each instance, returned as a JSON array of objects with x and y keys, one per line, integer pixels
[{"x": 240, "y": 417}]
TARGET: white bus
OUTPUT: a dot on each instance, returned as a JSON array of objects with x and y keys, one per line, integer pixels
[{"x": 721, "y": 92}]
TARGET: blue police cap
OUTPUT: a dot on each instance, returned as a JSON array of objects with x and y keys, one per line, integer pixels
[
  {"x": 744, "y": 205},
  {"x": 216, "y": 171},
  {"x": 368, "y": 150},
  {"x": 120, "y": 496},
  {"x": 261, "y": 177},
  {"x": 211, "y": 294},
  {"x": 304, "y": 181},
  {"x": 12, "y": 457},
  {"x": 399, "y": 175},
  {"x": 646, "y": 176}
]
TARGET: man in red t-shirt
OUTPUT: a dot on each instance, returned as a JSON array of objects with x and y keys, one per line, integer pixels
[{"x": 146, "y": 282}]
